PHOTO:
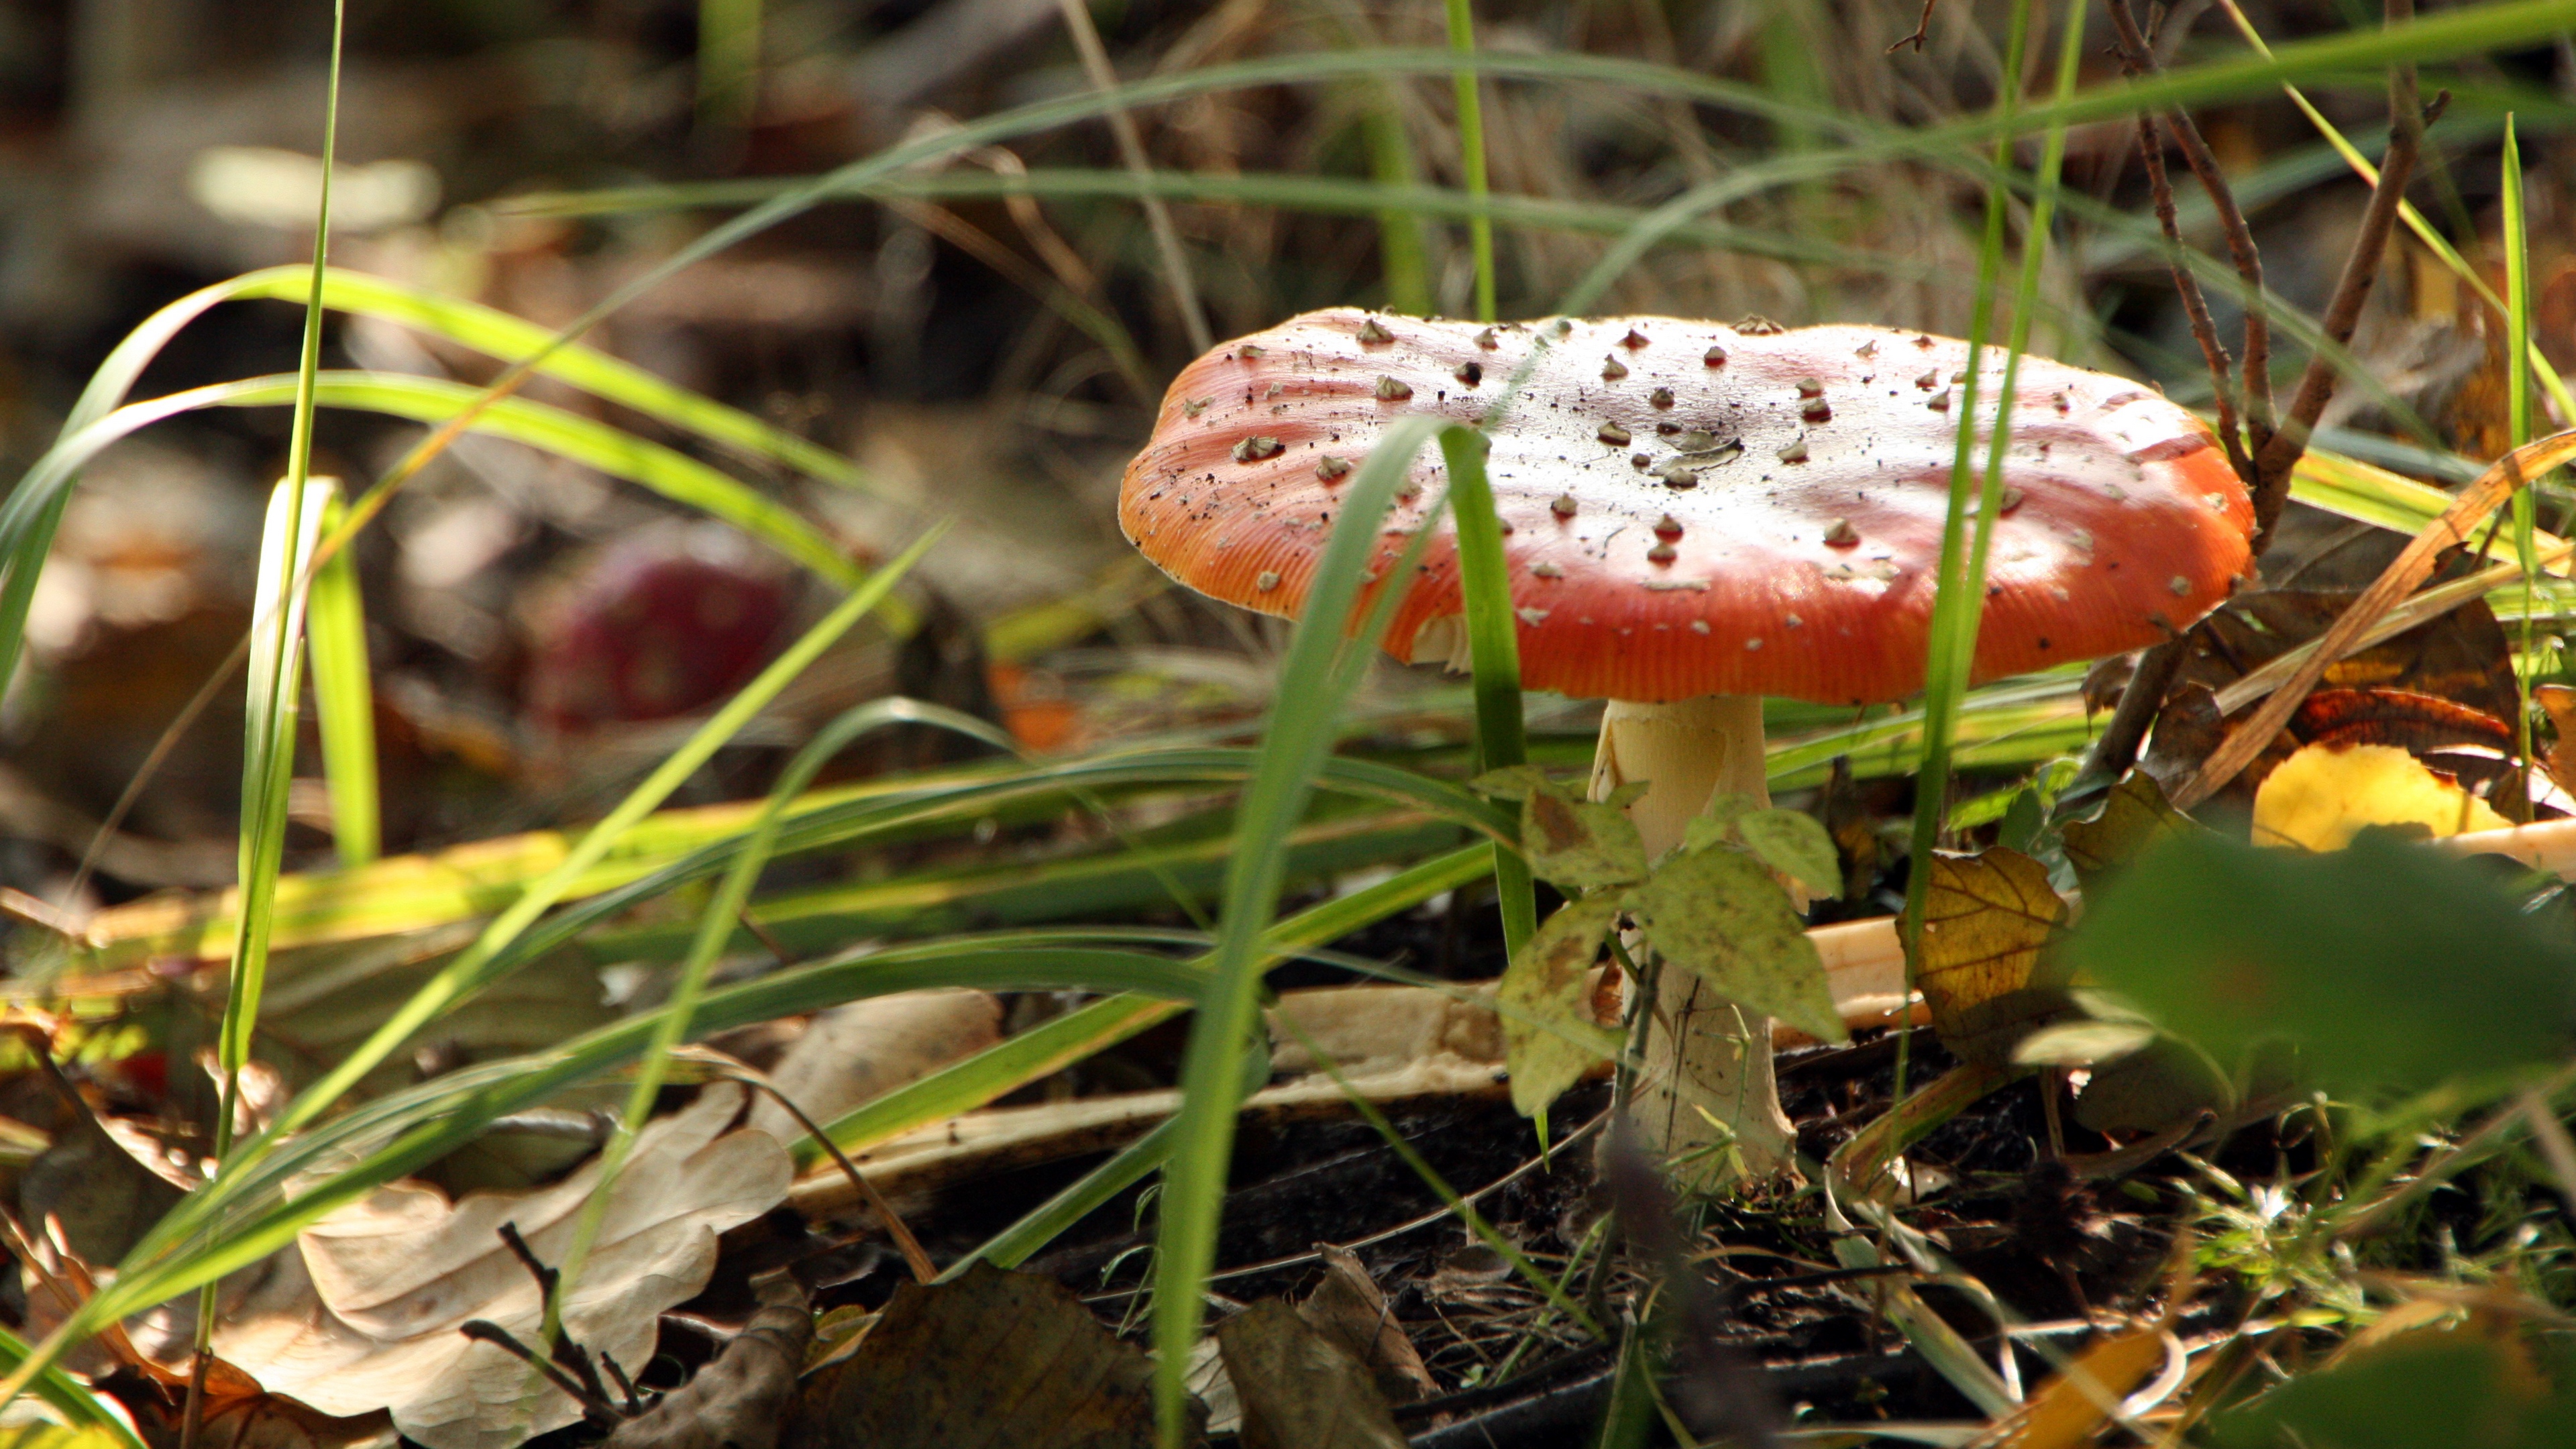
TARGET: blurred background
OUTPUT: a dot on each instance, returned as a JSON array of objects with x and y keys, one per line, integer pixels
[{"x": 542, "y": 634}]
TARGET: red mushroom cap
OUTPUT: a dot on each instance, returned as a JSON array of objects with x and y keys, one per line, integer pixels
[{"x": 1690, "y": 509}]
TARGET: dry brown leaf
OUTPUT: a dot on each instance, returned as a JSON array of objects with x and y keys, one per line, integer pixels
[
  {"x": 990, "y": 1359},
  {"x": 852, "y": 1054},
  {"x": 1985, "y": 921},
  {"x": 1299, "y": 1389},
  {"x": 363, "y": 1313},
  {"x": 736, "y": 1401},
  {"x": 1351, "y": 1314}
]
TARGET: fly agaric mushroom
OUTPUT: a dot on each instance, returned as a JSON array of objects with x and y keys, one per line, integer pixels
[{"x": 1696, "y": 516}]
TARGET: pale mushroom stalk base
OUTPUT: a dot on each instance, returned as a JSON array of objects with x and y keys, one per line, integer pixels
[{"x": 1705, "y": 1057}]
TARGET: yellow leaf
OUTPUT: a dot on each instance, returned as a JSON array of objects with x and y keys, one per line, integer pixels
[
  {"x": 1984, "y": 922},
  {"x": 2321, "y": 797}
]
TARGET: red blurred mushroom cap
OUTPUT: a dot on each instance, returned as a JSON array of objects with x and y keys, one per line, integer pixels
[{"x": 1694, "y": 509}]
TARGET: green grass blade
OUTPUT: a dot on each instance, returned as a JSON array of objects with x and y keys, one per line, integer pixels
[
  {"x": 1294, "y": 743},
  {"x": 1953, "y": 644},
  {"x": 1403, "y": 257},
  {"x": 272, "y": 709},
  {"x": 674, "y": 475},
  {"x": 1049, "y": 1220},
  {"x": 375, "y": 1142},
  {"x": 466, "y": 974},
  {"x": 344, "y": 697},
  {"x": 67, "y": 1396},
  {"x": 1471, "y": 151},
  {"x": 715, "y": 928},
  {"x": 2518, "y": 353},
  {"x": 728, "y": 60},
  {"x": 1493, "y": 646},
  {"x": 1960, "y": 605},
  {"x": 2433, "y": 240},
  {"x": 489, "y": 331},
  {"x": 670, "y": 849}
]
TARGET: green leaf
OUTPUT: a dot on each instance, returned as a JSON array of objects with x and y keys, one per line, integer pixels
[
  {"x": 1721, "y": 915},
  {"x": 1578, "y": 844},
  {"x": 2460, "y": 1390},
  {"x": 2365, "y": 958},
  {"x": 1795, "y": 844},
  {"x": 1549, "y": 1037},
  {"x": 1511, "y": 782}
]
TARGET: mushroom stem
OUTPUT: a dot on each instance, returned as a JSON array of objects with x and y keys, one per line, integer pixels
[{"x": 1706, "y": 1057}]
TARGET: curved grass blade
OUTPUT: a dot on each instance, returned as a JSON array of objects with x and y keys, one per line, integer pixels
[
  {"x": 674, "y": 475},
  {"x": 1493, "y": 646},
  {"x": 248, "y": 1214},
  {"x": 344, "y": 697},
  {"x": 1959, "y": 606},
  {"x": 487, "y": 330},
  {"x": 715, "y": 928},
  {"x": 1323, "y": 664}
]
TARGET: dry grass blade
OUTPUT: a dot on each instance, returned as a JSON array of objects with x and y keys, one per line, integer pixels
[{"x": 2410, "y": 568}]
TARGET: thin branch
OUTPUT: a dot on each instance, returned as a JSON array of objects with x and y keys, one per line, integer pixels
[
  {"x": 594, "y": 1407},
  {"x": 2195, "y": 306},
  {"x": 915, "y": 1256},
  {"x": 2138, "y": 58},
  {"x": 2139, "y": 54},
  {"x": 2343, "y": 313},
  {"x": 2140, "y": 700}
]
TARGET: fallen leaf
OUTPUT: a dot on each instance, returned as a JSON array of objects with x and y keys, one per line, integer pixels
[
  {"x": 1549, "y": 1037},
  {"x": 1719, "y": 915},
  {"x": 362, "y": 1314},
  {"x": 2319, "y": 798},
  {"x": 1985, "y": 921},
  {"x": 2133, "y": 816},
  {"x": 1580, "y": 844},
  {"x": 1350, "y": 1312},
  {"x": 1299, "y": 1390},
  {"x": 1006, "y": 1360},
  {"x": 853, "y": 1054},
  {"x": 2460, "y": 657},
  {"x": 734, "y": 1402}
]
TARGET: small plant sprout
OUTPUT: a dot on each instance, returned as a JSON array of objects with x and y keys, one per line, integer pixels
[{"x": 1800, "y": 562}]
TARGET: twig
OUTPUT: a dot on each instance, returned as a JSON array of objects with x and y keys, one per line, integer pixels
[
  {"x": 566, "y": 1352},
  {"x": 2140, "y": 699},
  {"x": 915, "y": 1256},
  {"x": 2138, "y": 58},
  {"x": 1922, "y": 27},
  {"x": 594, "y": 1406},
  {"x": 1131, "y": 147},
  {"x": 2138, "y": 52},
  {"x": 2343, "y": 311}
]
